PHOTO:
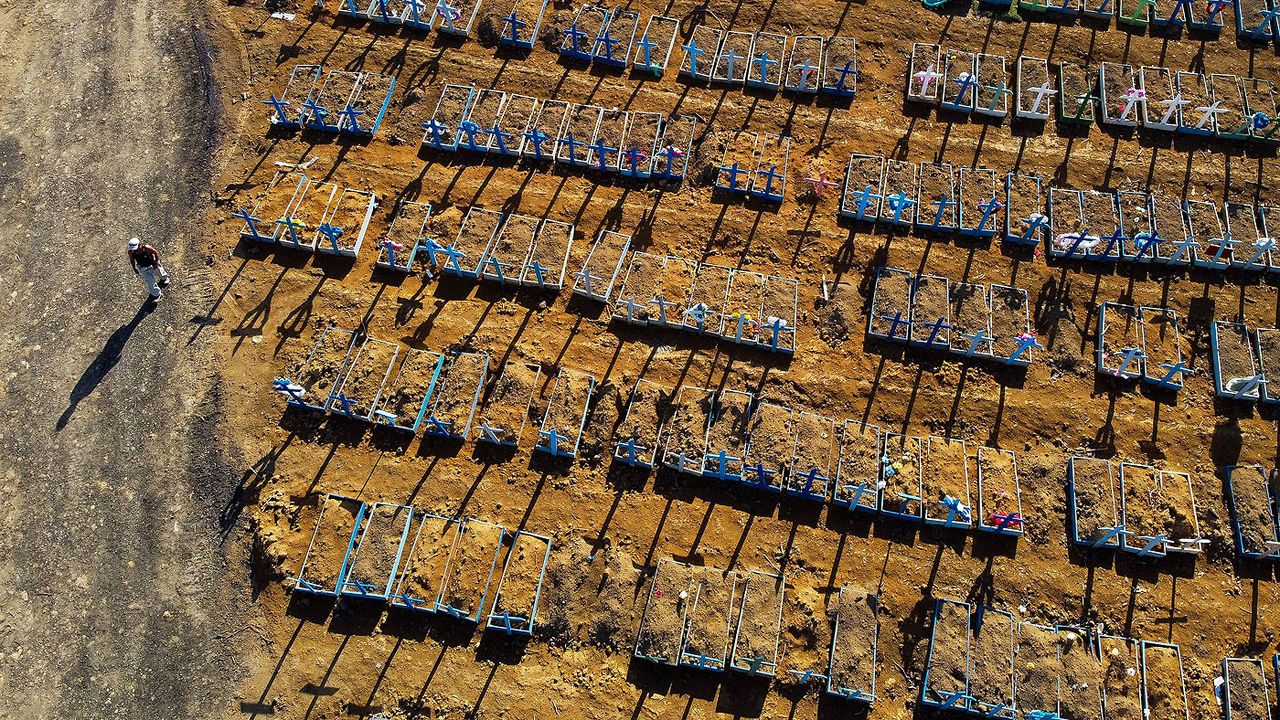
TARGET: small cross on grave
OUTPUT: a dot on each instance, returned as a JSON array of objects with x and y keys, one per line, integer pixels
[
  {"x": 698, "y": 314},
  {"x": 806, "y": 69},
  {"x": 292, "y": 391},
  {"x": 647, "y": 46},
  {"x": 1033, "y": 223},
  {"x": 1150, "y": 543},
  {"x": 1040, "y": 93},
  {"x": 820, "y": 184},
  {"x": 538, "y": 272},
  {"x": 1117, "y": 237},
  {"x": 282, "y": 115},
  {"x": 447, "y": 13},
  {"x": 975, "y": 340},
  {"x": 1085, "y": 101},
  {"x": 997, "y": 92},
  {"x": 554, "y": 438},
  {"x": 684, "y": 463},
  {"x": 694, "y": 51},
  {"x": 498, "y": 268},
  {"x": 988, "y": 208},
  {"x": 956, "y": 510},
  {"x": 1268, "y": 14},
  {"x": 500, "y": 135},
  {"x": 602, "y": 151},
  {"x": 1225, "y": 243},
  {"x": 670, "y": 153},
  {"x": 608, "y": 41},
  {"x": 383, "y": 12},
  {"x": 899, "y": 202},
  {"x": 935, "y": 328},
  {"x": 1210, "y": 112},
  {"x": 777, "y": 325},
  {"x": 293, "y": 226},
  {"x": 763, "y": 62},
  {"x": 663, "y": 304},
  {"x": 1174, "y": 104},
  {"x": 1003, "y": 521},
  {"x": 331, "y": 233},
  {"x": 744, "y": 321},
  {"x": 587, "y": 278},
  {"x": 894, "y": 321},
  {"x": 1109, "y": 534},
  {"x": 762, "y": 474},
  {"x": 942, "y": 204},
  {"x": 432, "y": 248},
  {"x": 845, "y": 71},
  {"x": 1132, "y": 97},
  {"x": 1183, "y": 247},
  {"x": 730, "y": 61},
  {"x": 734, "y": 171},
  {"x": 1243, "y": 386},
  {"x": 1215, "y": 8},
  {"x": 631, "y": 448},
  {"x": 926, "y": 78},
  {"x": 721, "y": 472},
  {"x": 1146, "y": 241},
  {"x": 631, "y": 306},
  {"x": 1026, "y": 341},
  {"x": 857, "y": 491},
  {"x": 386, "y": 417},
  {"x": 415, "y": 7},
  {"x": 492, "y": 434},
  {"x": 575, "y": 36},
  {"x": 250, "y": 222},
  {"x": 634, "y": 156},
  {"x": 864, "y": 201},
  {"x": 316, "y": 112},
  {"x": 1076, "y": 240},
  {"x": 537, "y": 137},
  {"x": 352, "y": 116},
  {"x": 770, "y": 175},
  {"x": 1130, "y": 355},
  {"x": 470, "y": 129},
  {"x": 454, "y": 255},
  {"x": 392, "y": 247},
  {"x": 573, "y": 144},
  {"x": 1173, "y": 373},
  {"x": 436, "y": 426},
  {"x": 436, "y": 127},
  {"x": 966, "y": 82},
  {"x": 1260, "y": 248},
  {"x": 810, "y": 479}
]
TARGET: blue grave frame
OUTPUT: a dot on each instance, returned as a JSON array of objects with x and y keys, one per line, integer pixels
[
  {"x": 857, "y": 203},
  {"x": 702, "y": 661},
  {"x": 341, "y": 404},
  {"x": 1024, "y": 359},
  {"x": 1256, "y": 258},
  {"x": 985, "y": 227},
  {"x": 430, "y": 138},
  {"x": 553, "y": 446},
  {"x": 929, "y": 333},
  {"x": 958, "y": 702},
  {"x": 844, "y": 84},
  {"x": 760, "y": 477},
  {"x": 367, "y": 588},
  {"x": 1040, "y": 713},
  {"x": 1154, "y": 372},
  {"x": 606, "y": 56},
  {"x": 644, "y": 614},
  {"x": 979, "y": 706},
  {"x": 1219, "y": 259},
  {"x": 648, "y": 60},
  {"x": 1263, "y": 31},
  {"x": 300, "y": 582},
  {"x": 759, "y": 667},
  {"x": 1220, "y": 388},
  {"x": 717, "y": 463},
  {"x": 892, "y": 334},
  {"x": 1226, "y": 685},
  {"x": 865, "y": 695},
  {"x": 1273, "y": 551},
  {"x": 809, "y": 78},
  {"x": 805, "y": 482},
  {"x": 512, "y": 37},
  {"x": 1110, "y": 538},
  {"x": 900, "y": 508},
  {"x": 419, "y": 235},
  {"x": 292, "y": 400},
  {"x": 673, "y": 161},
  {"x": 1008, "y": 525},
  {"x": 443, "y": 608},
  {"x": 385, "y": 418},
  {"x": 509, "y": 624},
  {"x": 847, "y": 494},
  {"x": 760, "y": 60},
  {"x": 435, "y": 427},
  {"x": 1266, "y": 395},
  {"x": 1182, "y": 680},
  {"x": 953, "y": 516},
  {"x": 400, "y": 597},
  {"x": 1013, "y": 232},
  {"x": 1135, "y": 365}
]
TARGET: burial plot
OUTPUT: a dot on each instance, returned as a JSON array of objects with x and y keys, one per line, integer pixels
[
  {"x": 728, "y": 421},
  {"x": 372, "y": 567},
  {"x": 778, "y": 311},
  {"x": 770, "y": 444},
  {"x": 399, "y": 247},
  {"x": 1250, "y": 250},
  {"x": 635, "y": 300},
  {"x": 579, "y": 40},
  {"x": 404, "y": 403},
  {"x": 804, "y": 65},
  {"x": 930, "y": 307},
  {"x": 365, "y": 379},
  {"x": 1102, "y": 218},
  {"x": 546, "y": 126},
  {"x": 1269, "y": 229},
  {"x": 652, "y": 51},
  {"x": 323, "y": 109},
  {"x": 979, "y": 208},
  {"x": 636, "y": 442},
  {"x": 302, "y": 82},
  {"x": 765, "y": 69},
  {"x": 815, "y": 457},
  {"x": 442, "y": 129},
  {"x": 738, "y": 163},
  {"x": 924, "y": 73},
  {"x": 422, "y": 568},
  {"x": 1094, "y": 503},
  {"x": 1260, "y": 104},
  {"x": 325, "y": 561},
  {"x": 1268, "y": 350},
  {"x": 743, "y": 303},
  {"x": 700, "y": 53},
  {"x": 636, "y": 157},
  {"x": 1024, "y": 219},
  {"x": 1160, "y": 104},
  {"x": 1245, "y": 692},
  {"x": 1175, "y": 244},
  {"x": 999, "y": 492},
  {"x": 312, "y": 382},
  {"x": 898, "y": 192},
  {"x": 769, "y": 177},
  {"x": 454, "y": 404},
  {"x": 466, "y": 254},
  {"x": 840, "y": 67},
  {"x": 710, "y": 615},
  {"x": 1133, "y": 13},
  {"x": 1255, "y": 19},
  {"x": 1163, "y": 362},
  {"x": 959, "y": 80},
  {"x": 733, "y": 58},
  {"x": 662, "y": 623},
  {"x": 514, "y": 609},
  {"x": 1011, "y": 338},
  {"x": 307, "y": 213},
  {"x": 1136, "y": 225},
  {"x": 342, "y": 230},
  {"x": 671, "y": 160},
  {"x": 600, "y": 270},
  {"x": 509, "y": 403},
  {"x": 1076, "y": 94},
  {"x": 519, "y": 22},
  {"x": 1170, "y": 13},
  {"x": 1158, "y": 512},
  {"x": 900, "y": 476},
  {"x": 945, "y": 483},
  {"x": 1068, "y": 231},
  {"x": 861, "y": 199},
  {"x": 505, "y": 257},
  {"x": 675, "y": 286},
  {"x": 273, "y": 209},
  {"x": 684, "y": 444},
  {"x": 456, "y": 20},
  {"x": 1102, "y": 10},
  {"x": 1037, "y": 670},
  {"x": 858, "y": 478},
  {"x": 937, "y": 197},
  {"x": 575, "y": 141},
  {"x": 1081, "y": 675},
  {"x": 1122, "y": 680},
  {"x": 482, "y": 113},
  {"x": 946, "y": 675},
  {"x": 1212, "y": 247},
  {"x": 891, "y": 305},
  {"x": 706, "y": 303},
  {"x": 1235, "y": 366},
  {"x": 993, "y": 91},
  {"x": 606, "y": 150},
  {"x": 1164, "y": 691},
  {"x": 1121, "y": 97},
  {"x": 470, "y": 575},
  {"x": 1119, "y": 341},
  {"x": 613, "y": 44},
  {"x": 970, "y": 319},
  {"x": 755, "y": 641},
  {"x": 561, "y": 431},
  {"x": 549, "y": 257},
  {"x": 1035, "y": 90},
  {"x": 416, "y": 15},
  {"x": 851, "y": 671},
  {"x": 991, "y": 666},
  {"x": 1197, "y": 113},
  {"x": 363, "y": 113},
  {"x": 1231, "y": 121},
  {"x": 1252, "y": 493}
]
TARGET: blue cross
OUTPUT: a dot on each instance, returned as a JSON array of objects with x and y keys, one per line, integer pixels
[
  {"x": 864, "y": 201},
  {"x": 694, "y": 51},
  {"x": 734, "y": 171},
  {"x": 1079, "y": 238},
  {"x": 500, "y": 135},
  {"x": 1268, "y": 15},
  {"x": 293, "y": 226},
  {"x": 436, "y": 426},
  {"x": 538, "y": 270},
  {"x": 937, "y": 327},
  {"x": 763, "y": 63},
  {"x": 845, "y": 72},
  {"x": 351, "y": 115},
  {"x": 554, "y": 438},
  {"x": 391, "y": 246},
  {"x": 332, "y": 232},
  {"x": 698, "y": 314},
  {"x": 432, "y": 248},
  {"x": 575, "y": 35},
  {"x": 669, "y": 153},
  {"x": 1130, "y": 354},
  {"x": 721, "y": 472},
  {"x": 282, "y": 115},
  {"x": 382, "y": 10},
  {"x": 965, "y": 81},
  {"x": 537, "y": 137},
  {"x": 777, "y": 325},
  {"x": 988, "y": 209},
  {"x": 976, "y": 339},
  {"x": 602, "y": 153},
  {"x": 858, "y": 491},
  {"x": 899, "y": 202},
  {"x": 1025, "y": 343},
  {"x": 1174, "y": 371},
  {"x": 762, "y": 474},
  {"x": 470, "y": 129},
  {"x": 769, "y": 176},
  {"x": 454, "y": 254},
  {"x": 497, "y": 268},
  {"x": 894, "y": 321},
  {"x": 317, "y": 112},
  {"x": 731, "y": 60},
  {"x": 573, "y": 144},
  {"x": 1004, "y": 520},
  {"x": 1034, "y": 222},
  {"x": 514, "y": 22},
  {"x": 632, "y": 156},
  {"x": 811, "y": 477},
  {"x": 646, "y": 45},
  {"x": 942, "y": 203},
  {"x": 1150, "y": 240},
  {"x": 435, "y": 126},
  {"x": 1116, "y": 236},
  {"x": 414, "y": 9},
  {"x": 250, "y": 222},
  {"x": 631, "y": 447},
  {"x": 955, "y": 509},
  {"x": 608, "y": 41},
  {"x": 1182, "y": 7},
  {"x": 292, "y": 391}
]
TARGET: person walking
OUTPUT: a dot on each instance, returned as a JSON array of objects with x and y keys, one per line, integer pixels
[{"x": 145, "y": 261}]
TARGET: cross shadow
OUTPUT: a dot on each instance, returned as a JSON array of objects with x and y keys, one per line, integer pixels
[{"x": 102, "y": 364}]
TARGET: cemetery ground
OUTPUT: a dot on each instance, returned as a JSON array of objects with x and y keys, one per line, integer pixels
[{"x": 611, "y": 525}]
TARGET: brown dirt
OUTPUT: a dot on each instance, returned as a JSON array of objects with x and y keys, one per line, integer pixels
[
  {"x": 855, "y": 637},
  {"x": 806, "y": 635},
  {"x": 1121, "y": 332},
  {"x": 899, "y": 177},
  {"x": 643, "y": 130},
  {"x": 551, "y": 248},
  {"x": 804, "y": 49},
  {"x": 992, "y": 74},
  {"x": 1082, "y": 676},
  {"x": 1135, "y": 214},
  {"x": 1269, "y": 354},
  {"x": 649, "y": 404},
  {"x": 859, "y": 462},
  {"x": 686, "y": 431},
  {"x": 771, "y": 442},
  {"x": 863, "y": 172},
  {"x": 472, "y": 566},
  {"x": 992, "y": 671},
  {"x": 1254, "y": 511},
  {"x": 550, "y": 120},
  {"x": 1161, "y": 340},
  {"x": 318, "y": 371},
  {"x": 484, "y": 110},
  {"x": 1117, "y": 78},
  {"x": 1247, "y": 696},
  {"x": 407, "y": 227},
  {"x": 642, "y": 284},
  {"x": 739, "y": 43},
  {"x": 923, "y": 57},
  {"x": 1033, "y": 73},
  {"x": 976, "y": 187},
  {"x": 521, "y": 575},
  {"x": 955, "y": 62},
  {"x": 1226, "y": 89},
  {"x": 676, "y": 286},
  {"x": 662, "y": 33},
  {"x": 839, "y": 51},
  {"x": 1195, "y": 89},
  {"x": 1206, "y": 228},
  {"x": 1170, "y": 225},
  {"x": 335, "y": 92},
  {"x": 273, "y": 202},
  {"x": 1008, "y": 320},
  {"x": 378, "y": 547},
  {"x": 332, "y": 533},
  {"x": 1066, "y": 213},
  {"x": 815, "y": 448},
  {"x": 516, "y": 117},
  {"x": 604, "y": 262},
  {"x": 662, "y": 625},
  {"x": 902, "y": 455},
  {"x": 568, "y": 403},
  {"x": 464, "y": 375},
  {"x": 309, "y": 211},
  {"x": 368, "y": 371},
  {"x": 1038, "y": 668},
  {"x": 1123, "y": 679},
  {"x": 613, "y": 129},
  {"x": 745, "y": 298},
  {"x": 477, "y": 230},
  {"x": 946, "y": 474},
  {"x": 1242, "y": 219},
  {"x": 1096, "y": 497},
  {"x": 1235, "y": 354},
  {"x": 949, "y": 652},
  {"x": 1157, "y": 84},
  {"x": 1152, "y": 508},
  {"x": 582, "y": 123},
  {"x": 772, "y": 152},
  {"x": 759, "y": 623},
  {"x": 929, "y": 304},
  {"x": 1074, "y": 82},
  {"x": 707, "y": 40},
  {"x": 892, "y": 299},
  {"x": 426, "y": 558},
  {"x": 1000, "y": 491},
  {"x": 374, "y": 88},
  {"x": 710, "y": 288},
  {"x": 409, "y": 385},
  {"x": 590, "y": 19},
  {"x": 508, "y": 406},
  {"x": 937, "y": 181},
  {"x": 450, "y": 111},
  {"x": 711, "y": 605},
  {"x": 1025, "y": 197},
  {"x": 1162, "y": 677},
  {"x": 510, "y": 247},
  {"x": 969, "y": 313},
  {"x": 730, "y": 425}
]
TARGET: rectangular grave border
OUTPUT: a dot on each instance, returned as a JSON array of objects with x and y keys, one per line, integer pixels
[
  {"x": 294, "y": 393},
  {"x": 299, "y": 582},
  {"x": 762, "y": 667},
  {"x": 1110, "y": 538},
  {"x": 864, "y": 695},
  {"x": 505, "y": 622},
  {"x": 342, "y": 406},
  {"x": 957, "y": 701},
  {"x": 457, "y": 613},
  {"x": 1272, "y": 550},
  {"x": 400, "y": 597},
  {"x": 437, "y": 428},
  {"x": 1248, "y": 390},
  {"x": 1182, "y": 680},
  {"x": 552, "y": 436},
  {"x": 1227, "y": 663},
  {"x": 357, "y": 587},
  {"x": 390, "y": 420}
]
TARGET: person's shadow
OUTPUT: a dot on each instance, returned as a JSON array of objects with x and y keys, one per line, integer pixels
[{"x": 101, "y": 365}]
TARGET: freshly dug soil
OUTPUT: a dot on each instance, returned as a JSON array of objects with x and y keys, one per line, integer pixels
[
  {"x": 676, "y": 286},
  {"x": 771, "y": 442},
  {"x": 550, "y": 250},
  {"x": 1235, "y": 355},
  {"x": 759, "y": 623},
  {"x": 958, "y": 62},
  {"x": 1033, "y": 73},
  {"x": 948, "y": 652},
  {"x": 806, "y": 635},
  {"x": 773, "y": 151},
  {"x": 710, "y": 614},
  {"x": 1135, "y": 219},
  {"x": 707, "y": 40},
  {"x": 924, "y": 57},
  {"x": 319, "y": 372},
  {"x": 1009, "y": 318},
  {"x": 992, "y": 78},
  {"x": 459, "y": 389},
  {"x": 422, "y": 572},
  {"x": 1116, "y": 80},
  {"x": 859, "y": 462},
  {"x": 648, "y": 406},
  {"x": 1253, "y": 509},
  {"x": 478, "y": 228},
  {"x": 604, "y": 262},
  {"x": 582, "y": 123},
  {"x": 1161, "y": 341},
  {"x": 1024, "y": 199},
  {"x": 1259, "y": 96},
  {"x": 309, "y": 211},
  {"x": 273, "y": 202},
  {"x": 677, "y": 134},
  {"x": 622, "y": 27},
  {"x": 999, "y": 492},
  {"x": 1206, "y": 228},
  {"x": 1226, "y": 90},
  {"x": 1121, "y": 332},
  {"x": 840, "y": 51},
  {"x": 738, "y": 44},
  {"x": 612, "y": 131},
  {"x": 1157, "y": 87},
  {"x": 902, "y": 455},
  {"x": 662, "y": 625},
  {"x": 589, "y": 20},
  {"x": 374, "y": 89},
  {"x": 661, "y": 31},
  {"x": 946, "y": 474},
  {"x": 710, "y": 289},
  {"x": 641, "y": 286},
  {"x": 471, "y": 568},
  {"x": 406, "y": 230},
  {"x": 1269, "y": 355},
  {"x": 334, "y": 526},
  {"x": 379, "y": 546},
  {"x": 1157, "y": 502},
  {"x": 1074, "y": 82},
  {"x": 1162, "y": 676},
  {"x": 1247, "y": 697},
  {"x": 976, "y": 187},
  {"x": 864, "y": 171},
  {"x": 779, "y": 301},
  {"x": 1193, "y": 88},
  {"x": 1123, "y": 680},
  {"x": 335, "y": 93},
  {"x": 937, "y": 183},
  {"x": 687, "y": 430},
  {"x": 509, "y": 405},
  {"x": 1170, "y": 225},
  {"x": 521, "y": 577},
  {"x": 899, "y": 177},
  {"x": 1242, "y": 222},
  {"x": 408, "y": 390},
  {"x": 854, "y": 643},
  {"x": 485, "y": 108},
  {"x": 728, "y": 428},
  {"x": 568, "y": 404},
  {"x": 515, "y": 120},
  {"x": 930, "y": 304},
  {"x": 815, "y": 449},
  {"x": 1038, "y": 668},
  {"x": 449, "y": 112},
  {"x": 643, "y": 130},
  {"x": 1096, "y": 505},
  {"x": 1101, "y": 218},
  {"x": 805, "y": 51},
  {"x": 969, "y": 313},
  {"x": 892, "y": 299},
  {"x": 1082, "y": 676},
  {"x": 510, "y": 247},
  {"x": 550, "y": 119},
  {"x": 991, "y": 662},
  {"x": 744, "y": 300},
  {"x": 367, "y": 373}
]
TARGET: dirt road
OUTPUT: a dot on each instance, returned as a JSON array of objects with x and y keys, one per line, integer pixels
[{"x": 109, "y": 550}]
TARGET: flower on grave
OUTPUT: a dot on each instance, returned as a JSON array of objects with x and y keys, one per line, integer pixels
[{"x": 1261, "y": 121}]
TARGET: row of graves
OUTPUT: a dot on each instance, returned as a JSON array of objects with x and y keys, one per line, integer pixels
[
  {"x": 984, "y": 663},
  {"x": 632, "y": 144},
  {"x": 346, "y": 102},
  {"x": 716, "y": 621},
  {"x": 308, "y": 214},
  {"x": 1255, "y": 20},
  {"x": 969, "y": 320},
  {"x": 1241, "y": 358},
  {"x": 422, "y": 562},
  {"x": 1131, "y": 507},
  {"x": 1116, "y": 95},
  {"x": 732, "y": 437}
]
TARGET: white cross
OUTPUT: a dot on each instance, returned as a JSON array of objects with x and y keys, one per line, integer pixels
[
  {"x": 446, "y": 13},
  {"x": 926, "y": 78},
  {"x": 1174, "y": 104},
  {"x": 1040, "y": 92},
  {"x": 1131, "y": 97},
  {"x": 1210, "y": 111}
]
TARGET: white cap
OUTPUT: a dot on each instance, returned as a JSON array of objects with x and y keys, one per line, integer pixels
[{"x": 134, "y": 243}]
